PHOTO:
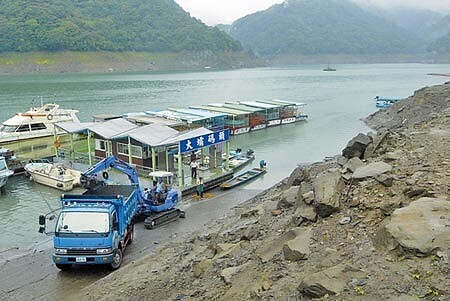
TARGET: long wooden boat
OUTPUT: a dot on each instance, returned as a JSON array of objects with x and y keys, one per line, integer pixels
[{"x": 242, "y": 178}]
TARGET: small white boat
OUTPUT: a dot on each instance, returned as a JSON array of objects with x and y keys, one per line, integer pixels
[
  {"x": 5, "y": 172},
  {"x": 54, "y": 175},
  {"x": 239, "y": 159},
  {"x": 35, "y": 123}
]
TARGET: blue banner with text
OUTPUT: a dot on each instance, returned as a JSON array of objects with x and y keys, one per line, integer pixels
[{"x": 199, "y": 142}]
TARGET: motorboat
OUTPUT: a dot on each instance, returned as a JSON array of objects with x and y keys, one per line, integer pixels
[
  {"x": 238, "y": 159},
  {"x": 385, "y": 102},
  {"x": 5, "y": 172},
  {"x": 55, "y": 175},
  {"x": 35, "y": 123},
  {"x": 328, "y": 68}
]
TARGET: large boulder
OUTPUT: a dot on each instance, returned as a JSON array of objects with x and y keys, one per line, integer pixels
[
  {"x": 331, "y": 281},
  {"x": 298, "y": 248},
  {"x": 270, "y": 248},
  {"x": 199, "y": 268},
  {"x": 357, "y": 146},
  {"x": 371, "y": 170},
  {"x": 421, "y": 228},
  {"x": 352, "y": 164},
  {"x": 289, "y": 197},
  {"x": 304, "y": 213},
  {"x": 299, "y": 175},
  {"x": 377, "y": 140},
  {"x": 227, "y": 274},
  {"x": 327, "y": 189}
]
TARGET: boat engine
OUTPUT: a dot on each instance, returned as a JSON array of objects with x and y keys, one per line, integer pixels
[{"x": 91, "y": 182}]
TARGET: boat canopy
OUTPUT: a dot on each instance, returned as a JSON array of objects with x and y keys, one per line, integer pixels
[
  {"x": 149, "y": 119},
  {"x": 174, "y": 115},
  {"x": 242, "y": 107},
  {"x": 227, "y": 111},
  {"x": 259, "y": 105},
  {"x": 282, "y": 103},
  {"x": 201, "y": 113}
]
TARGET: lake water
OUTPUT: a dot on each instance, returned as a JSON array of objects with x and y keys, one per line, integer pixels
[{"x": 336, "y": 101}]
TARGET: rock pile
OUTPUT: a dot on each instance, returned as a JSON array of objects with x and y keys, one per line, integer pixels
[{"x": 373, "y": 224}]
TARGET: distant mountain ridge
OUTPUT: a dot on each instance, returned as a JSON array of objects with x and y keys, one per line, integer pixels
[
  {"x": 427, "y": 24},
  {"x": 321, "y": 27},
  {"x": 100, "y": 25}
]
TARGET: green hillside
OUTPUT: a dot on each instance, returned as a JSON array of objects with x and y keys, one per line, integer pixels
[
  {"x": 321, "y": 27},
  {"x": 105, "y": 25},
  {"x": 441, "y": 45}
]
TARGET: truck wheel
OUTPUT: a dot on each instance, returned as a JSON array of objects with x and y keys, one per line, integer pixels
[
  {"x": 117, "y": 259},
  {"x": 63, "y": 267},
  {"x": 182, "y": 214}
]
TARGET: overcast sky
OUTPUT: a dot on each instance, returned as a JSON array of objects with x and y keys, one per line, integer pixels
[{"x": 214, "y": 12}]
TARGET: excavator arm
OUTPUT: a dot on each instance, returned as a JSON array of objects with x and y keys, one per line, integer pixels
[{"x": 90, "y": 180}]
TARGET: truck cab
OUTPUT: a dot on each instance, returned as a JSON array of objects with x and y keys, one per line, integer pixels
[{"x": 95, "y": 228}]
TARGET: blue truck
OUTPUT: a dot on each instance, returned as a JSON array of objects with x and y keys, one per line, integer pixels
[{"x": 96, "y": 226}]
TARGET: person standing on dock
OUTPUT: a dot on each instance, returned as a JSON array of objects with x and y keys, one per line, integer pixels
[
  {"x": 194, "y": 167},
  {"x": 200, "y": 187}
]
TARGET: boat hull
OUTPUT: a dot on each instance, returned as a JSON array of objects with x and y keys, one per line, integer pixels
[
  {"x": 4, "y": 176},
  {"x": 242, "y": 178},
  {"x": 61, "y": 184},
  {"x": 274, "y": 122},
  {"x": 288, "y": 120},
  {"x": 35, "y": 123},
  {"x": 5, "y": 172},
  {"x": 237, "y": 163},
  {"x": 15, "y": 137},
  {"x": 55, "y": 176},
  {"x": 239, "y": 131}
]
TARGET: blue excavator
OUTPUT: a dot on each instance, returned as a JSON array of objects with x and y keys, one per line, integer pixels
[{"x": 150, "y": 210}]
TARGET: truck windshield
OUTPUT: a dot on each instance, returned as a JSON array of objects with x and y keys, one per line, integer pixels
[{"x": 83, "y": 222}]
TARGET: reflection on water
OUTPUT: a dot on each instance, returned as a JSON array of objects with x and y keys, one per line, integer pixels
[
  {"x": 44, "y": 147},
  {"x": 20, "y": 205}
]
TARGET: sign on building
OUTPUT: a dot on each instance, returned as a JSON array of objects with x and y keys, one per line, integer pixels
[{"x": 199, "y": 142}]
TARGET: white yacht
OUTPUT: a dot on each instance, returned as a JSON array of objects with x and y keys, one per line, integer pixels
[{"x": 35, "y": 123}]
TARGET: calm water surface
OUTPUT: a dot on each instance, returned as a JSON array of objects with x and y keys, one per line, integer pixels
[{"x": 336, "y": 101}]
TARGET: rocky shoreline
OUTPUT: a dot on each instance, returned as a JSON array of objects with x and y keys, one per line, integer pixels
[
  {"x": 371, "y": 224},
  {"x": 130, "y": 61}
]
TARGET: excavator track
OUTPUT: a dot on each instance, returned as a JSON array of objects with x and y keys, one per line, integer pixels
[{"x": 160, "y": 218}]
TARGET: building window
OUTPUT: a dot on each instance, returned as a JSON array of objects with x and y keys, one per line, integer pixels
[
  {"x": 122, "y": 149},
  {"x": 136, "y": 151},
  {"x": 100, "y": 145}
]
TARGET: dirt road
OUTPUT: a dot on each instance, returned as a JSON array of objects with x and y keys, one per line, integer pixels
[{"x": 35, "y": 277}]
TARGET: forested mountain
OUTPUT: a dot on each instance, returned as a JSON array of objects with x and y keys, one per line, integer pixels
[
  {"x": 441, "y": 45},
  {"x": 105, "y": 25},
  {"x": 321, "y": 27},
  {"x": 429, "y": 25}
]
